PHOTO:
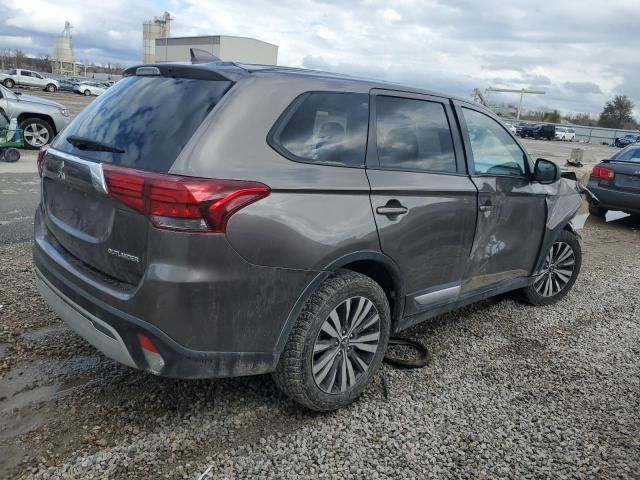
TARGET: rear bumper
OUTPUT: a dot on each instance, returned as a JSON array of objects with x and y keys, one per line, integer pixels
[
  {"x": 115, "y": 336},
  {"x": 208, "y": 311},
  {"x": 615, "y": 199}
]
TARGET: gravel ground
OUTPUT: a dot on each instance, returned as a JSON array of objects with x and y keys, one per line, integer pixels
[{"x": 513, "y": 391}]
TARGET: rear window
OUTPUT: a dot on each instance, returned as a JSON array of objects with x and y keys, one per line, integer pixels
[
  {"x": 150, "y": 118},
  {"x": 413, "y": 135},
  {"x": 322, "y": 127},
  {"x": 628, "y": 155}
]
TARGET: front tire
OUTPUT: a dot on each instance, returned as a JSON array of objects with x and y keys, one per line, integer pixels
[
  {"x": 558, "y": 273},
  {"x": 51, "y": 88},
  {"x": 9, "y": 83},
  {"x": 37, "y": 133},
  {"x": 87, "y": 93},
  {"x": 337, "y": 344}
]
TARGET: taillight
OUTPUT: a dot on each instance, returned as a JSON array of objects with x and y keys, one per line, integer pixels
[
  {"x": 41, "y": 155},
  {"x": 175, "y": 202},
  {"x": 602, "y": 173}
]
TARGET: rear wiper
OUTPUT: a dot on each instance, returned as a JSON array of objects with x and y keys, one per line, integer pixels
[{"x": 87, "y": 144}]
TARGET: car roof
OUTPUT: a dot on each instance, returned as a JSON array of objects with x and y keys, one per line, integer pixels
[
  {"x": 371, "y": 83},
  {"x": 233, "y": 71}
]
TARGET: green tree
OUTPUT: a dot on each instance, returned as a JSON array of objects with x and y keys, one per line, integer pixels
[{"x": 616, "y": 112}]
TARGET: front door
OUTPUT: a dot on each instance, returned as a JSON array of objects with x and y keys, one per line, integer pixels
[
  {"x": 423, "y": 200},
  {"x": 511, "y": 205}
]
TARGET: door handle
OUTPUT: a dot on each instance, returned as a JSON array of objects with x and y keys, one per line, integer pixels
[
  {"x": 485, "y": 208},
  {"x": 392, "y": 208}
]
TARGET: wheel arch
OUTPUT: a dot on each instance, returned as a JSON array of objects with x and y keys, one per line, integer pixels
[
  {"x": 42, "y": 116},
  {"x": 375, "y": 265}
]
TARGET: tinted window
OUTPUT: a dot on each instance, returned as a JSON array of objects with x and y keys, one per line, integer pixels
[
  {"x": 326, "y": 128},
  {"x": 494, "y": 150},
  {"x": 151, "y": 118},
  {"x": 628, "y": 155},
  {"x": 413, "y": 135}
]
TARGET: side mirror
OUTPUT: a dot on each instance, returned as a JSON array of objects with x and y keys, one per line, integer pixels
[{"x": 546, "y": 171}]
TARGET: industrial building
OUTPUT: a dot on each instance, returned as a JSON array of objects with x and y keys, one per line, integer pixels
[
  {"x": 225, "y": 47},
  {"x": 159, "y": 27}
]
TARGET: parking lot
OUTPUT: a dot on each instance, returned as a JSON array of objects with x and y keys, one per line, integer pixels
[{"x": 512, "y": 390}]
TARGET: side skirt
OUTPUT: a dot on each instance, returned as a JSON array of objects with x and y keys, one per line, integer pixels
[{"x": 463, "y": 300}]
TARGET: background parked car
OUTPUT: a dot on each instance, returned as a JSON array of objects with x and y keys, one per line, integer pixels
[
  {"x": 68, "y": 83},
  {"x": 565, "y": 134},
  {"x": 511, "y": 128},
  {"x": 545, "y": 131},
  {"x": 90, "y": 88},
  {"x": 28, "y": 78},
  {"x": 626, "y": 140},
  {"x": 616, "y": 183},
  {"x": 526, "y": 129},
  {"x": 39, "y": 118}
]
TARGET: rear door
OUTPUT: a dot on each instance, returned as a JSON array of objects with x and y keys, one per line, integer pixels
[
  {"x": 145, "y": 121},
  {"x": 511, "y": 205},
  {"x": 423, "y": 201}
]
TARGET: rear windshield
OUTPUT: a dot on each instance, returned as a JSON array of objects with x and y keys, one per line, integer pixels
[
  {"x": 150, "y": 118},
  {"x": 629, "y": 154}
]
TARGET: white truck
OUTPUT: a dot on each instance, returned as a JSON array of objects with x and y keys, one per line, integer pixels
[{"x": 28, "y": 78}]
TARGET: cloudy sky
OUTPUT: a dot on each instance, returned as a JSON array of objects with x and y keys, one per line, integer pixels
[{"x": 581, "y": 52}]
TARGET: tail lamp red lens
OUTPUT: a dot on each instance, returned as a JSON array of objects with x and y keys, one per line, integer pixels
[
  {"x": 41, "y": 155},
  {"x": 602, "y": 173},
  {"x": 175, "y": 202}
]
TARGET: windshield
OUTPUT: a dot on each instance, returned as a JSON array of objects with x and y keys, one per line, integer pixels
[{"x": 150, "y": 118}]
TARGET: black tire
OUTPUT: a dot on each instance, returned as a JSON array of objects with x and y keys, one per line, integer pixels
[
  {"x": 87, "y": 93},
  {"x": 28, "y": 125},
  {"x": 11, "y": 155},
  {"x": 51, "y": 88},
  {"x": 531, "y": 295},
  {"x": 294, "y": 374},
  {"x": 597, "y": 211},
  {"x": 9, "y": 83}
]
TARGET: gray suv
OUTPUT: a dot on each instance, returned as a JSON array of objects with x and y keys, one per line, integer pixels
[{"x": 219, "y": 219}]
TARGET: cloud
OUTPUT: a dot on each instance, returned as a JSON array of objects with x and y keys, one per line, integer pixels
[
  {"x": 582, "y": 52},
  {"x": 582, "y": 87}
]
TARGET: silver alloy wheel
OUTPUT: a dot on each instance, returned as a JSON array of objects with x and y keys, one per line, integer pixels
[
  {"x": 36, "y": 135},
  {"x": 557, "y": 270},
  {"x": 346, "y": 345}
]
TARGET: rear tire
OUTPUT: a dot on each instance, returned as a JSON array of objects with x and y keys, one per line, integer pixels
[
  {"x": 323, "y": 367},
  {"x": 597, "y": 211},
  {"x": 558, "y": 273},
  {"x": 9, "y": 83},
  {"x": 11, "y": 155},
  {"x": 87, "y": 93}
]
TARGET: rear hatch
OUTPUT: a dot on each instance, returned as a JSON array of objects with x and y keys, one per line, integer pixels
[{"x": 143, "y": 122}]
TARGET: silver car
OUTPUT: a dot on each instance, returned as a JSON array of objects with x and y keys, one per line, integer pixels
[{"x": 40, "y": 119}]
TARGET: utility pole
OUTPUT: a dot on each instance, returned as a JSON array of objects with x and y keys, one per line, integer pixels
[{"x": 521, "y": 92}]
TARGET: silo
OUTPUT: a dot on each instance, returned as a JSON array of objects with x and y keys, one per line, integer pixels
[
  {"x": 159, "y": 27},
  {"x": 62, "y": 51}
]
